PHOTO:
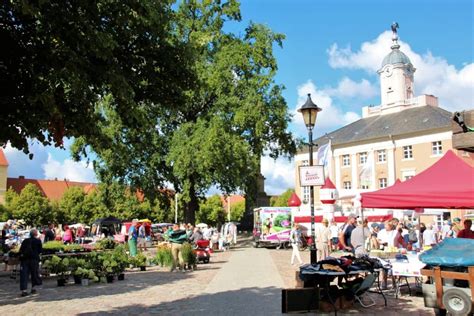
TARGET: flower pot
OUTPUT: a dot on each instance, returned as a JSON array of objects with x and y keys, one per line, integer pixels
[
  {"x": 77, "y": 279},
  {"x": 121, "y": 277},
  {"x": 85, "y": 282},
  {"x": 110, "y": 278},
  {"x": 61, "y": 282},
  {"x": 142, "y": 268}
]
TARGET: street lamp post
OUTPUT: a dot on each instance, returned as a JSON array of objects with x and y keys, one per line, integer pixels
[{"x": 309, "y": 110}]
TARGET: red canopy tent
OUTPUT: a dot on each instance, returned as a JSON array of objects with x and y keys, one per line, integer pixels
[{"x": 449, "y": 183}]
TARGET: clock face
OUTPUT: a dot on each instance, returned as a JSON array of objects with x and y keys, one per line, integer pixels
[{"x": 388, "y": 70}]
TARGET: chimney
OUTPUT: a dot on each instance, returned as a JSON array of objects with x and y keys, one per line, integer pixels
[
  {"x": 55, "y": 179},
  {"x": 21, "y": 177}
]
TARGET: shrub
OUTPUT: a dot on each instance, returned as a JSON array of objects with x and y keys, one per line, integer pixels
[
  {"x": 189, "y": 257},
  {"x": 105, "y": 243},
  {"x": 163, "y": 257},
  {"x": 139, "y": 260},
  {"x": 53, "y": 246},
  {"x": 58, "y": 266}
]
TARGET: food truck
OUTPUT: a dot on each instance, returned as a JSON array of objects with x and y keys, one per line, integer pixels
[{"x": 272, "y": 226}]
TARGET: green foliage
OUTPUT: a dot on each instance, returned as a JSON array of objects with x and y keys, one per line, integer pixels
[
  {"x": 120, "y": 256},
  {"x": 211, "y": 211},
  {"x": 164, "y": 257},
  {"x": 237, "y": 211},
  {"x": 77, "y": 51},
  {"x": 282, "y": 200},
  {"x": 85, "y": 273},
  {"x": 140, "y": 260},
  {"x": 5, "y": 213},
  {"x": 73, "y": 206},
  {"x": 53, "y": 246},
  {"x": 189, "y": 257},
  {"x": 58, "y": 266},
  {"x": 30, "y": 205},
  {"x": 105, "y": 243}
]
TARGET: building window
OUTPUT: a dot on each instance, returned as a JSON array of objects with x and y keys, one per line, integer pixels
[
  {"x": 346, "y": 160},
  {"x": 407, "y": 152},
  {"x": 382, "y": 183},
  {"x": 436, "y": 148},
  {"x": 362, "y": 158},
  {"x": 347, "y": 185},
  {"x": 381, "y": 156},
  {"x": 407, "y": 177},
  {"x": 364, "y": 186}
]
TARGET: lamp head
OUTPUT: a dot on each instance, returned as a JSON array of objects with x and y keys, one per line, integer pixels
[{"x": 309, "y": 110}]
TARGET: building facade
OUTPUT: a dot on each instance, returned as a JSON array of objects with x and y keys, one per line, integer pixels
[{"x": 397, "y": 139}]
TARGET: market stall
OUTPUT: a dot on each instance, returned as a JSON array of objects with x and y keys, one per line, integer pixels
[{"x": 446, "y": 184}]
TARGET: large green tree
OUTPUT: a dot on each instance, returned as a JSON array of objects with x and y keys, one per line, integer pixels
[
  {"x": 59, "y": 57},
  {"x": 231, "y": 115},
  {"x": 30, "y": 205}
]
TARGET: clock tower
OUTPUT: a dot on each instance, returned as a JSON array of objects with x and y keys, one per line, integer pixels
[{"x": 396, "y": 75}]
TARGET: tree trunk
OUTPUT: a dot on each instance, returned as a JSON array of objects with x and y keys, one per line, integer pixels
[{"x": 192, "y": 206}]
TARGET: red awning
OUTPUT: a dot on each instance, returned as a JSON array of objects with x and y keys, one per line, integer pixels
[{"x": 449, "y": 183}]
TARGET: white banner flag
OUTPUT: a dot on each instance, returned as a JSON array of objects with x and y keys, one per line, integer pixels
[
  {"x": 323, "y": 154},
  {"x": 367, "y": 171}
]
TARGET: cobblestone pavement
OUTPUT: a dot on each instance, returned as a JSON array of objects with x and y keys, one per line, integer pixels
[
  {"x": 152, "y": 291},
  {"x": 404, "y": 305},
  {"x": 243, "y": 281}
]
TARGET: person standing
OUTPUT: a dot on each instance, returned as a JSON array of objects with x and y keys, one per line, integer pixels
[
  {"x": 387, "y": 235},
  {"x": 132, "y": 238},
  {"x": 49, "y": 234},
  {"x": 345, "y": 233},
  {"x": 359, "y": 237},
  {"x": 30, "y": 251},
  {"x": 457, "y": 227},
  {"x": 177, "y": 237},
  {"x": 141, "y": 241},
  {"x": 430, "y": 238},
  {"x": 68, "y": 237},
  {"x": 295, "y": 244},
  {"x": 334, "y": 234},
  {"x": 323, "y": 240},
  {"x": 466, "y": 232}
]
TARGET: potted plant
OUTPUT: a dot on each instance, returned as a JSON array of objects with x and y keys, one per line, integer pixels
[
  {"x": 164, "y": 257},
  {"x": 60, "y": 267},
  {"x": 140, "y": 261},
  {"x": 85, "y": 275},
  {"x": 189, "y": 257},
  {"x": 120, "y": 256},
  {"x": 74, "y": 264}
]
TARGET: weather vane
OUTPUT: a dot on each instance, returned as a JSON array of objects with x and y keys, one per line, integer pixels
[{"x": 394, "y": 27}]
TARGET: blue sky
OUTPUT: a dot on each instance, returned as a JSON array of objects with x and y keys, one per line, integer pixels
[{"x": 333, "y": 49}]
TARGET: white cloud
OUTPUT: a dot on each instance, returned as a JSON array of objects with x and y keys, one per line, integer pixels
[
  {"x": 329, "y": 118},
  {"x": 347, "y": 88},
  {"x": 279, "y": 174},
  {"x": 21, "y": 165},
  {"x": 434, "y": 75},
  {"x": 69, "y": 169}
]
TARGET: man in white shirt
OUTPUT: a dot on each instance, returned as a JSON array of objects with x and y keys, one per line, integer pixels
[
  {"x": 429, "y": 236},
  {"x": 386, "y": 236}
]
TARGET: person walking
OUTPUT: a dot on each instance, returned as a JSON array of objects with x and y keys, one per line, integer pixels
[
  {"x": 132, "y": 238},
  {"x": 30, "y": 251},
  {"x": 295, "y": 244},
  {"x": 177, "y": 237},
  {"x": 323, "y": 240}
]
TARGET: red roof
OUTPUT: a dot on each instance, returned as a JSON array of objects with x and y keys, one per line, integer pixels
[
  {"x": 328, "y": 184},
  {"x": 449, "y": 183},
  {"x": 3, "y": 159},
  {"x": 233, "y": 199},
  {"x": 52, "y": 189}
]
